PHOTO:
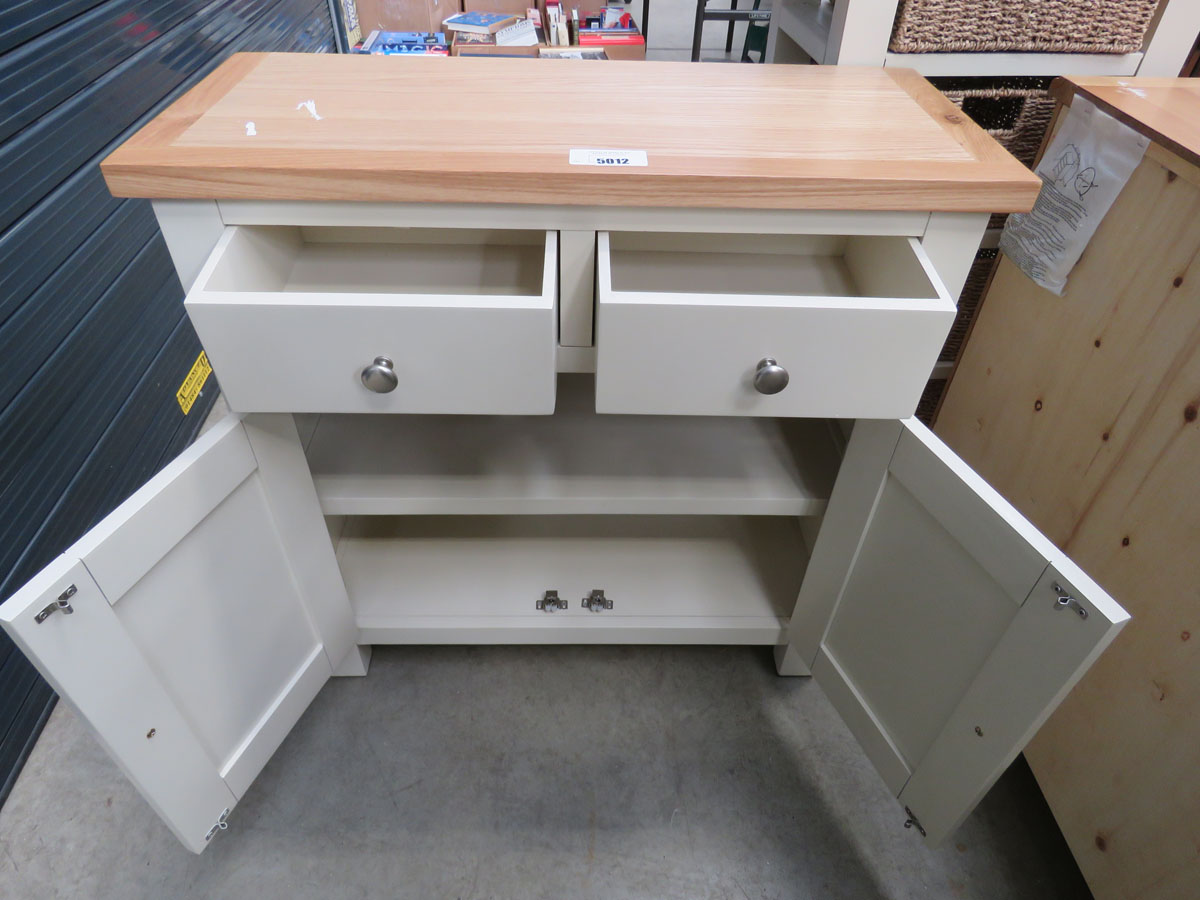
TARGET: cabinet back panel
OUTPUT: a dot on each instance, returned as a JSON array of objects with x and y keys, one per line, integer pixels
[
  {"x": 686, "y": 567},
  {"x": 785, "y": 265},
  {"x": 379, "y": 261}
]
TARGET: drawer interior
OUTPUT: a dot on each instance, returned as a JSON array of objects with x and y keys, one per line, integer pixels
[
  {"x": 847, "y": 266},
  {"x": 367, "y": 260}
]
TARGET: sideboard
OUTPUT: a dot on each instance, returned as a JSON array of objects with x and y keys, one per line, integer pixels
[{"x": 540, "y": 368}]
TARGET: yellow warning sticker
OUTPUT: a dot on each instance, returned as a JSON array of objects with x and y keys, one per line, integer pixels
[{"x": 194, "y": 383}]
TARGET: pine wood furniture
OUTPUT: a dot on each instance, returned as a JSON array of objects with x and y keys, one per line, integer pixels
[
  {"x": 1082, "y": 410},
  {"x": 545, "y": 402}
]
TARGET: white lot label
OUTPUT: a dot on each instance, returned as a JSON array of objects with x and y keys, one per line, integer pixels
[{"x": 614, "y": 158}]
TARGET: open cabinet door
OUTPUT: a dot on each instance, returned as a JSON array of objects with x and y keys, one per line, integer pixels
[
  {"x": 186, "y": 630},
  {"x": 939, "y": 622}
]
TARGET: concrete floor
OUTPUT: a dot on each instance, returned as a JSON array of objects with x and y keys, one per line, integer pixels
[{"x": 535, "y": 772}]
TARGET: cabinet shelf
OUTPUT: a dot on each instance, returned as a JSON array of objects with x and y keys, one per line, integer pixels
[
  {"x": 574, "y": 461},
  {"x": 672, "y": 579}
]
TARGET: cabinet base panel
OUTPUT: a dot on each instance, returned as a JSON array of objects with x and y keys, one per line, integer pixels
[
  {"x": 603, "y": 630},
  {"x": 356, "y": 662}
]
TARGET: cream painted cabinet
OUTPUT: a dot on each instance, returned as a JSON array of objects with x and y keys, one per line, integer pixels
[
  {"x": 192, "y": 627},
  {"x": 188, "y": 628},
  {"x": 473, "y": 462}
]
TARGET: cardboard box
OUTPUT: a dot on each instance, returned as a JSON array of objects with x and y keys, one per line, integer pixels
[
  {"x": 405, "y": 15},
  {"x": 457, "y": 48},
  {"x": 620, "y": 51},
  {"x": 511, "y": 7}
]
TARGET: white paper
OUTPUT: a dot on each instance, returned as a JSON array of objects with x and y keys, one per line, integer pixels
[
  {"x": 609, "y": 158},
  {"x": 1082, "y": 171}
]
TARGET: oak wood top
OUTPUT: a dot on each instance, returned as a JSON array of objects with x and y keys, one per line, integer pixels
[
  {"x": 1166, "y": 110},
  {"x": 481, "y": 130}
]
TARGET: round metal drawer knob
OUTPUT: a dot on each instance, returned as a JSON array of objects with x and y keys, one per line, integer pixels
[
  {"x": 770, "y": 377},
  {"x": 380, "y": 376}
]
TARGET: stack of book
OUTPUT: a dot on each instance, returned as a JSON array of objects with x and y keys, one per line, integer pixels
[
  {"x": 405, "y": 43},
  {"x": 521, "y": 37},
  {"x": 610, "y": 27},
  {"x": 609, "y": 33},
  {"x": 558, "y": 33},
  {"x": 479, "y": 22}
]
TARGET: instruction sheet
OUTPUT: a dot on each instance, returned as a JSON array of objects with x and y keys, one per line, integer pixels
[{"x": 1082, "y": 171}]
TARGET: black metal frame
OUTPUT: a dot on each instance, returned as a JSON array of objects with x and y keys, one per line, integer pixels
[{"x": 732, "y": 15}]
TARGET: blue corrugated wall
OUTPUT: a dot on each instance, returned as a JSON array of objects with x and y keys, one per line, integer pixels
[{"x": 93, "y": 339}]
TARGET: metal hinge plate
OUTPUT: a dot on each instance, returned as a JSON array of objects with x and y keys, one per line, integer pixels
[
  {"x": 596, "y": 601},
  {"x": 220, "y": 825},
  {"x": 551, "y": 602},
  {"x": 1066, "y": 601},
  {"x": 63, "y": 604},
  {"x": 912, "y": 821}
]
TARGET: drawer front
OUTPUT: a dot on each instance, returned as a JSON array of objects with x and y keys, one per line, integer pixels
[
  {"x": 307, "y": 351},
  {"x": 696, "y": 352}
]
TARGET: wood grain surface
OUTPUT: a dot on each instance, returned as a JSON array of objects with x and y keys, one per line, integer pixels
[
  {"x": 1082, "y": 410},
  {"x": 499, "y": 130},
  {"x": 1167, "y": 110}
]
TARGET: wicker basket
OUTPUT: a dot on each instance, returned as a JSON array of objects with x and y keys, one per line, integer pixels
[
  {"x": 931, "y": 400},
  {"x": 968, "y": 308},
  {"x": 1015, "y": 111},
  {"x": 968, "y": 304},
  {"x": 1047, "y": 26}
]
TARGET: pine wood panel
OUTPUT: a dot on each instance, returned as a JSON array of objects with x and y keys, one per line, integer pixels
[
  {"x": 1083, "y": 412},
  {"x": 499, "y": 130}
]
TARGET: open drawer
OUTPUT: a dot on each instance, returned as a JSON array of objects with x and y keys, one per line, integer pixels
[
  {"x": 766, "y": 325},
  {"x": 389, "y": 320}
]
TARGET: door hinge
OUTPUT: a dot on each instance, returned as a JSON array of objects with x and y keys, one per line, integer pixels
[
  {"x": 63, "y": 603},
  {"x": 550, "y": 602},
  {"x": 912, "y": 821},
  {"x": 221, "y": 824},
  {"x": 1066, "y": 601},
  {"x": 596, "y": 601}
]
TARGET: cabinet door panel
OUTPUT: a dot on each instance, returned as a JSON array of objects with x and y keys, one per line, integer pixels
[
  {"x": 190, "y": 648},
  {"x": 931, "y": 618}
]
